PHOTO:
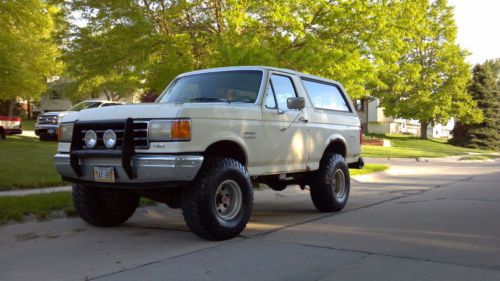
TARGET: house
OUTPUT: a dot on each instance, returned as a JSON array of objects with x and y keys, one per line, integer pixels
[
  {"x": 374, "y": 121},
  {"x": 54, "y": 100}
]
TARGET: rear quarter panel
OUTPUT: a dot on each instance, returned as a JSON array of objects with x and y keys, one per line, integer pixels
[{"x": 326, "y": 126}]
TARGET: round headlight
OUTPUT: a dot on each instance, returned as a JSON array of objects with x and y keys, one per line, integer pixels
[
  {"x": 109, "y": 138},
  {"x": 90, "y": 139}
]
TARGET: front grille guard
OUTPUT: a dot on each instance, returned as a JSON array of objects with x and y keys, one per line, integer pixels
[{"x": 126, "y": 153}]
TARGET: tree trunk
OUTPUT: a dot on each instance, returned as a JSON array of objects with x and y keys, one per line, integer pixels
[
  {"x": 29, "y": 110},
  {"x": 12, "y": 105},
  {"x": 423, "y": 129}
]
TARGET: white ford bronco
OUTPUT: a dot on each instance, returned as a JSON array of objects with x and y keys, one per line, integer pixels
[{"x": 207, "y": 140}]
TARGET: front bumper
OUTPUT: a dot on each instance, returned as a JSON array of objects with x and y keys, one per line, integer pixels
[
  {"x": 46, "y": 130},
  {"x": 153, "y": 170}
]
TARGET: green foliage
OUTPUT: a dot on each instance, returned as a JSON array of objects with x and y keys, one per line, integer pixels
[
  {"x": 485, "y": 92},
  {"x": 28, "y": 51},
  {"x": 153, "y": 41},
  {"x": 425, "y": 75},
  {"x": 494, "y": 65}
]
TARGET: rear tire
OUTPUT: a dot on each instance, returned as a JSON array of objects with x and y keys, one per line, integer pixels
[
  {"x": 218, "y": 204},
  {"x": 330, "y": 185},
  {"x": 104, "y": 207}
]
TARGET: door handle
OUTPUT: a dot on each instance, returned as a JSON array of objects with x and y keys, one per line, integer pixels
[{"x": 302, "y": 119}]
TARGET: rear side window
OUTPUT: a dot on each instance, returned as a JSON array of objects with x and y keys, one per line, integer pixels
[{"x": 326, "y": 96}]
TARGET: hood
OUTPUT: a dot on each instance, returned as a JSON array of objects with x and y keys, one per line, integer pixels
[
  {"x": 122, "y": 112},
  {"x": 51, "y": 113}
]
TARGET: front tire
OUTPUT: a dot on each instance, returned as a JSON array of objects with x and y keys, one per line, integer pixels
[
  {"x": 218, "y": 204},
  {"x": 331, "y": 184},
  {"x": 104, "y": 207}
]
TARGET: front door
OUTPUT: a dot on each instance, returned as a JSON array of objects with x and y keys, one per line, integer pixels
[{"x": 285, "y": 133}]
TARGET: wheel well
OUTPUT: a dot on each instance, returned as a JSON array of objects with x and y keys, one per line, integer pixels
[
  {"x": 336, "y": 146},
  {"x": 227, "y": 149}
]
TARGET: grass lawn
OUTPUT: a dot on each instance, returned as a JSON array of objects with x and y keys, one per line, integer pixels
[
  {"x": 41, "y": 206},
  {"x": 412, "y": 147},
  {"x": 368, "y": 168},
  {"x": 480, "y": 157},
  {"x": 26, "y": 162},
  {"x": 28, "y": 125}
]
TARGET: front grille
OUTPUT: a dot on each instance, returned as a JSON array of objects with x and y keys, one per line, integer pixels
[
  {"x": 43, "y": 120},
  {"x": 140, "y": 134}
]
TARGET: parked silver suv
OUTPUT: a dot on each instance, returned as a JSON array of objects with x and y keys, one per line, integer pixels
[{"x": 47, "y": 123}]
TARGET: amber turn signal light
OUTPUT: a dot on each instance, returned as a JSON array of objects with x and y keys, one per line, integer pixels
[{"x": 181, "y": 129}]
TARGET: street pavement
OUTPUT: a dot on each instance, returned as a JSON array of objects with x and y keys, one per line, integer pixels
[{"x": 435, "y": 219}]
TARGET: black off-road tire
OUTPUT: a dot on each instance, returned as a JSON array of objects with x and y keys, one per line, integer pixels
[
  {"x": 199, "y": 201},
  {"x": 104, "y": 207},
  {"x": 44, "y": 137},
  {"x": 2, "y": 134},
  {"x": 323, "y": 184}
]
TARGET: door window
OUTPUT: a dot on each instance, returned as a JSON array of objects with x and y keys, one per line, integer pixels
[
  {"x": 269, "y": 100},
  {"x": 283, "y": 89}
]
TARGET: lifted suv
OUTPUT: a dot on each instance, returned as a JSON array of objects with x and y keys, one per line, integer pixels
[{"x": 210, "y": 137}]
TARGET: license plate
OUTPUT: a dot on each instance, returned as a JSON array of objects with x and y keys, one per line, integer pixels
[{"x": 104, "y": 174}]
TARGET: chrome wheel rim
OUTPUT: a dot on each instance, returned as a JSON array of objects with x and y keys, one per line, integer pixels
[
  {"x": 228, "y": 200},
  {"x": 339, "y": 183}
]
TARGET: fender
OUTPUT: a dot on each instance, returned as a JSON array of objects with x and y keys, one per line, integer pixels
[
  {"x": 228, "y": 136},
  {"x": 333, "y": 138}
]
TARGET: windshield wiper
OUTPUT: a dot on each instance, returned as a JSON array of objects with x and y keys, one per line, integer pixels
[{"x": 209, "y": 99}]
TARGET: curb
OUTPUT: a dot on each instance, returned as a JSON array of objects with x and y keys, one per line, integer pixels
[{"x": 34, "y": 191}]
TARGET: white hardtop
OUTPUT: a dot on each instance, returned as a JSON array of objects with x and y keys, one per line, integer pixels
[{"x": 259, "y": 68}]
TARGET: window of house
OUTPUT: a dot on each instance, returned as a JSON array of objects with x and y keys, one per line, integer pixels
[
  {"x": 326, "y": 96},
  {"x": 359, "y": 105},
  {"x": 55, "y": 95}
]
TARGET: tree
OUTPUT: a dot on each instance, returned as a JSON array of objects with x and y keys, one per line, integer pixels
[
  {"x": 486, "y": 93},
  {"x": 155, "y": 40},
  {"x": 494, "y": 65},
  {"x": 425, "y": 77},
  {"x": 28, "y": 51}
]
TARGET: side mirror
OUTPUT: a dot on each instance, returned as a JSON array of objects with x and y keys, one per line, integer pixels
[{"x": 295, "y": 103}]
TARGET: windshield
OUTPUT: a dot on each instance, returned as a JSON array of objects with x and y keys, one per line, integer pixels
[
  {"x": 85, "y": 105},
  {"x": 228, "y": 86}
]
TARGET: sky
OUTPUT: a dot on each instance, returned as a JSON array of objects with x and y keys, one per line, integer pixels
[{"x": 478, "y": 24}]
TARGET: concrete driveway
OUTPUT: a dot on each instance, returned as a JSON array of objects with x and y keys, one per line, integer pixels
[{"x": 436, "y": 220}]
